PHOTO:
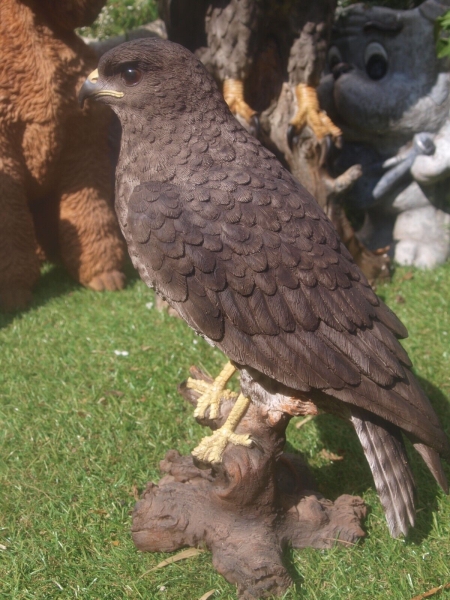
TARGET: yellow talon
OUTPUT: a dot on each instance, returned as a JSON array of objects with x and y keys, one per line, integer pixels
[
  {"x": 309, "y": 113},
  {"x": 211, "y": 392},
  {"x": 233, "y": 93},
  {"x": 211, "y": 448}
]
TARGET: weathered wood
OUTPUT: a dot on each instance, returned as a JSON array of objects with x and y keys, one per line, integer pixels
[{"x": 247, "y": 510}]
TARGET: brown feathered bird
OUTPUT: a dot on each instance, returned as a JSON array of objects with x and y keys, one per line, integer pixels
[{"x": 244, "y": 254}]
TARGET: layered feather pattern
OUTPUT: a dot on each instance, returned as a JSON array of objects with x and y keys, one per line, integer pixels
[{"x": 250, "y": 261}]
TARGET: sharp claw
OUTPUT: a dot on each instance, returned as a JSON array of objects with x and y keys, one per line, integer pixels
[
  {"x": 255, "y": 125},
  {"x": 339, "y": 142},
  {"x": 291, "y": 133},
  {"x": 255, "y": 444},
  {"x": 201, "y": 464},
  {"x": 325, "y": 148}
]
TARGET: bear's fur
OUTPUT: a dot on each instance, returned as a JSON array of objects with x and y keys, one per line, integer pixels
[{"x": 55, "y": 171}]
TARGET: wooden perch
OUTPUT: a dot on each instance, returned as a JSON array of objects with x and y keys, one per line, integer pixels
[{"x": 247, "y": 510}]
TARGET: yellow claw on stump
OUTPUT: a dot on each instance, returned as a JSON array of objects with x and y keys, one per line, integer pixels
[
  {"x": 212, "y": 447},
  {"x": 233, "y": 93},
  {"x": 309, "y": 113},
  {"x": 211, "y": 392}
]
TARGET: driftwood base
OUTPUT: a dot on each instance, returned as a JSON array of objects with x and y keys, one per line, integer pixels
[{"x": 246, "y": 510}]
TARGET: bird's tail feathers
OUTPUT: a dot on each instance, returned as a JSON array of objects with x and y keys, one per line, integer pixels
[{"x": 386, "y": 454}]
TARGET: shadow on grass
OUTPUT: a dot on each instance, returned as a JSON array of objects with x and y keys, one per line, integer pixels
[
  {"x": 298, "y": 581},
  {"x": 53, "y": 283},
  {"x": 352, "y": 475},
  {"x": 426, "y": 485}
]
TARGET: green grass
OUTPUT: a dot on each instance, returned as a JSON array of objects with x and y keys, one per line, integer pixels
[
  {"x": 119, "y": 16},
  {"x": 81, "y": 427}
]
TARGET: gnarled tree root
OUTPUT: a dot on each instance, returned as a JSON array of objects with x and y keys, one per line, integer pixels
[{"x": 247, "y": 509}]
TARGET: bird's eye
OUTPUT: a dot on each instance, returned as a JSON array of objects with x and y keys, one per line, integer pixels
[
  {"x": 334, "y": 57},
  {"x": 376, "y": 61},
  {"x": 131, "y": 76}
]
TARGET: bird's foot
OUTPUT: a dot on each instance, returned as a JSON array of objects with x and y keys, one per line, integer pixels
[
  {"x": 211, "y": 392},
  {"x": 309, "y": 113},
  {"x": 233, "y": 92},
  {"x": 211, "y": 448}
]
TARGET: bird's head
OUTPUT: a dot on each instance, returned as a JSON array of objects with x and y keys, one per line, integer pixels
[{"x": 151, "y": 76}]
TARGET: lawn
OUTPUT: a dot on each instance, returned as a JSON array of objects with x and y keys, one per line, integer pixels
[{"x": 88, "y": 408}]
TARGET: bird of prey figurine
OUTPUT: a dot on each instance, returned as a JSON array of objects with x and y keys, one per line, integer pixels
[{"x": 247, "y": 258}]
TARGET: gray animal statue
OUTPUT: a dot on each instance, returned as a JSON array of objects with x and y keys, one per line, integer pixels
[{"x": 390, "y": 95}]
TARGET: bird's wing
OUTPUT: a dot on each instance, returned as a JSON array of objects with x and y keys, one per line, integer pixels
[{"x": 251, "y": 262}]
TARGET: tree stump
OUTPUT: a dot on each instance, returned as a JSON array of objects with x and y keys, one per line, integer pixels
[{"x": 248, "y": 509}]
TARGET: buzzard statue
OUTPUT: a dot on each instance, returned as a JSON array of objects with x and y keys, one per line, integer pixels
[
  {"x": 245, "y": 255},
  {"x": 229, "y": 35}
]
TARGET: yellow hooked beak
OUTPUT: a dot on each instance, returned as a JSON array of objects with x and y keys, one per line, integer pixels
[
  {"x": 93, "y": 77},
  {"x": 92, "y": 89}
]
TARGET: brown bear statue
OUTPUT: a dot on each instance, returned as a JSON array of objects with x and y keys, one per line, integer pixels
[{"x": 55, "y": 169}]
